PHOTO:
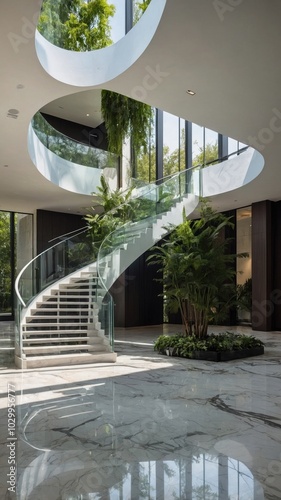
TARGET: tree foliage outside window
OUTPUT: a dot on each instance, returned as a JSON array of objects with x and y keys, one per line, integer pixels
[
  {"x": 75, "y": 24},
  {"x": 5, "y": 263},
  {"x": 207, "y": 155},
  {"x": 81, "y": 26}
]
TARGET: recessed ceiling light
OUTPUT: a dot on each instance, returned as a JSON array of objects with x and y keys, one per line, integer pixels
[
  {"x": 87, "y": 114},
  {"x": 190, "y": 92},
  {"x": 5, "y": 166},
  {"x": 12, "y": 113},
  {"x": 20, "y": 86}
]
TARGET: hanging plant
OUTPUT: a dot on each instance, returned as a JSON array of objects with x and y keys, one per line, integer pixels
[
  {"x": 81, "y": 26},
  {"x": 124, "y": 117}
]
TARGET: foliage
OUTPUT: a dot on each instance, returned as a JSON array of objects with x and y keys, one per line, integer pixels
[
  {"x": 173, "y": 161},
  {"x": 140, "y": 8},
  {"x": 117, "y": 209},
  {"x": 5, "y": 259},
  {"x": 207, "y": 155},
  {"x": 76, "y": 25},
  {"x": 124, "y": 117},
  {"x": 81, "y": 26},
  {"x": 244, "y": 295},
  {"x": 198, "y": 271},
  {"x": 185, "y": 346}
]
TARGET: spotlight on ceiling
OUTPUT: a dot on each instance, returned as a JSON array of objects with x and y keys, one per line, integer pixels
[{"x": 190, "y": 92}]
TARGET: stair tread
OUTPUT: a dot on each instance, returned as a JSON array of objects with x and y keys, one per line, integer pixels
[
  {"x": 77, "y": 358},
  {"x": 57, "y": 300},
  {"x": 53, "y": 316},
  {"x": 32, "y": 325},
  {"x": 55, "y": 339},
  {"x": 61, "y": 356},
  {"x": 60, "y": 308},
  {"x": 56, "y": 348},
  {"x": 56, "y": 332}
]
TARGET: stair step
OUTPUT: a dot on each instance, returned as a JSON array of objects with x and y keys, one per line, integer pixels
[
  {"x": 85, "y": 332},
  {"x": 57, "y": 348},
  {"x": 66, "y": 359},
  {"x": 59, "y": 308},
  {"x": 86, "y": 281},
  {"x": 54, "y": 339},
  {"x": 66, "y": 297},
  {"x": 86, "y": 340},
  {"x": 57, "y": 324},
  {"x": 65, "y": 302},
  {"x": 56, "y": 316}
]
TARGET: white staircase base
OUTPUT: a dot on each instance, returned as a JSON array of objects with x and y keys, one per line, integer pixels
[{"x": 65, "y": 359}]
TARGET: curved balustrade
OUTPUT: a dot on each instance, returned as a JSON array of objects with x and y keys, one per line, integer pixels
[
  {"x": 71, "y": 150},
  {"x": 152, "y": 211},
  {"x": 50, "y": 266}
]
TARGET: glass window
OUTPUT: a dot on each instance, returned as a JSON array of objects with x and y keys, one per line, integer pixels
[
  {"x": 182, "y": 146},
  {"x": 198, "y": 144},
  {"x": 144, "y": 166},
  {"x": 171, "y": 144},
  {"x": 244, "y": 266},
  {"x": 211, "y": 146},
  {"x": 5, "y": 264},
  {"x": 117, "y": 22},
  {"x": 232, "y": 146},
  {"x": 15, "y": 252}
]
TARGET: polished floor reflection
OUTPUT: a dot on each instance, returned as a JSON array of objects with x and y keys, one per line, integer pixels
[{"x": 148, "y": 427}]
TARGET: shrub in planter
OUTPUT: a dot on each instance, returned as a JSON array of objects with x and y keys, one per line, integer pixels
[{"x": 222, "y": 347}]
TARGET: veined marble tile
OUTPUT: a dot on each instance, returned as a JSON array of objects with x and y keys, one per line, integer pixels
[{"x": 148, "y": 427}]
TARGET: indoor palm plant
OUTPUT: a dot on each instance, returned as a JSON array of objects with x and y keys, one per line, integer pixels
[{"x": 198, "y": 279}]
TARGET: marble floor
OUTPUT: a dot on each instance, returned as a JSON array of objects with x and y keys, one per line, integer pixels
[{"x": 148, "y": 427}]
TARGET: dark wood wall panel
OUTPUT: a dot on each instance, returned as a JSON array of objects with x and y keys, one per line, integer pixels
[
  {"x": 136, "y": 296},
  {"x": 53, "y": 224},
  {"x": 276, "y": 292},
  {"x": 262, "y": 266}
]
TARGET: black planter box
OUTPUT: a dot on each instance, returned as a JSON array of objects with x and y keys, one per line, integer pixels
[{"x": 227, "y": 355}]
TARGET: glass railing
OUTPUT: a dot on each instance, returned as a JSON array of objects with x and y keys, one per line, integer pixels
[
  {"x": 153, "y": 209},
  {"x": 152, "y": 203},
  {"x": 58, "y": 261},
  {"x": 69, "y": 149}
]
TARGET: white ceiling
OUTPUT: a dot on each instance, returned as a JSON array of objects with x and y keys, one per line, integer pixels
[
  {"x": 230, "y": 59},
  {"x": 83, "y": 107}
]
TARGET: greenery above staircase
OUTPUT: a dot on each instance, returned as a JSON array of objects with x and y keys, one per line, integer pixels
[{"x": 79, "y": 26}]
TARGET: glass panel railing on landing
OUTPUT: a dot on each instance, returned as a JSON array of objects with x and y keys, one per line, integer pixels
[{"x": 71, "y": 150}]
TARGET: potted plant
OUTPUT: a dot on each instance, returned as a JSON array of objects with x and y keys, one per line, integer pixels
[{"x": 198, "y": 279}]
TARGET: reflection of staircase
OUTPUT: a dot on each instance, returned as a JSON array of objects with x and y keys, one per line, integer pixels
[{"x": 62, "y": 325}]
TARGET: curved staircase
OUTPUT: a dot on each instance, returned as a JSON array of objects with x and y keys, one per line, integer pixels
[{"x": 70, "y": 320}]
